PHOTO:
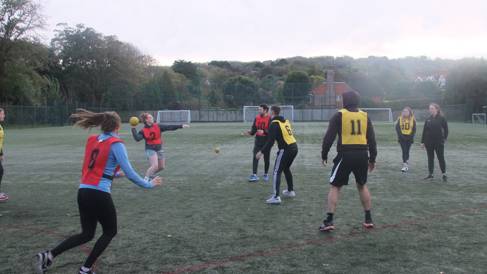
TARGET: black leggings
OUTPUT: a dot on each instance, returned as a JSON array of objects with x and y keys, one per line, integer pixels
[
  {"x": 439, "y": 149},
  {"x": 267, "y": 158},
  {"x": 405, "y": 147},
  {"x": 94, "y": 206},
  {"x": 284, "y": 160},
  {"x": 1, "y": 174}
]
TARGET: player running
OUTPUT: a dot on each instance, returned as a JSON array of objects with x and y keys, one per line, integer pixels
[
  {"x": 152, "y": 134},
  {"x": 260, "y": 128},
  {"x": 281, "y": 131},
  {"x": 406, "y": 129},
  {"x": 357, "y": 151},
  {"x": 104, "y": 155}
]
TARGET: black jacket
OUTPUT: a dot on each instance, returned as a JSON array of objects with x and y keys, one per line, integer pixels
[
  {"x": 275, "y": 134},
  {"x": 335, "y": 128},
  {"x": 435, "y": 130}
]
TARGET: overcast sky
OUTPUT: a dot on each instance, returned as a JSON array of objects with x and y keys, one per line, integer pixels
[{"x": 258, "y": 30}]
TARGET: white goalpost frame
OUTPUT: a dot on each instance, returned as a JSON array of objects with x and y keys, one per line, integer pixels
[
  {"x": 285, "y": 109},
  {"x": 389, "y": 115},
  {"x": 162, "y": 116},
  {"x": 479, "y": 118}
]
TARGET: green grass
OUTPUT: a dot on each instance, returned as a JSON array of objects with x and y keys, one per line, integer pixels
[{"x": 207, "y": 218}]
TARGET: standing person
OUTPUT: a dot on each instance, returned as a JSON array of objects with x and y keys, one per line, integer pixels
[
  {"x": 3, "y": 196},
  {"x": 406, "y": 129},
  {"x": 357, "y": 151},
  {"x": 104, "y": 155},
  {"x": 152, "y": 134},
  {"x": 260, "y": 128},
  {"x": 281, "y": 131},
  {"x": 435, "y": 133}
]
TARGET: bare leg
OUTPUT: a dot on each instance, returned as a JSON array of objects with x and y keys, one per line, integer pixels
[
  {"x": 161, "y": 165},
  {"x": 333, "y": 196},
  {"x": 153, "y": 166},
  {"x": 365, "y": 198}
]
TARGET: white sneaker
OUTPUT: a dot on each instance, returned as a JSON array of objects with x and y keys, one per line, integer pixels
[
  {"x": 290, "y": 194},
  {"x": 274, "y": 200},
  {"x": 405, "y": 168}
]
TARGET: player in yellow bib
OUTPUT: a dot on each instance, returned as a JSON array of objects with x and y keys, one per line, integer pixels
[
  {"x": 281, "y": 131},
  {"x": 3, "y": 196},
  {"x": 406, "y": 129},
  {"x": 357, "y": 151}
]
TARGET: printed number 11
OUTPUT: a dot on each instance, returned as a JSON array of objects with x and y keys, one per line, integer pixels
[{"x": 359, "y": 127}]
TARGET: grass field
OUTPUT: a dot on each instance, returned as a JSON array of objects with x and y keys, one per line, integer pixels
[{"x": 208, "y": 219}]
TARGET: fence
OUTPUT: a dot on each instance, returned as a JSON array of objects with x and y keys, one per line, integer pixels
[{"x": 59, "y": 115}]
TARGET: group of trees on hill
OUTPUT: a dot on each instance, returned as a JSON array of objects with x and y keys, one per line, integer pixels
[{"x": 84, "y": 67}]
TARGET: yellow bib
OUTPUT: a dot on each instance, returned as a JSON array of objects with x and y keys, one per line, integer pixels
[
  {"x": 2, "y": 135},
  {"x": 287, "y": 131},
  {"x": 354, "y": 127},
  {"x": 406, "y": 125}
]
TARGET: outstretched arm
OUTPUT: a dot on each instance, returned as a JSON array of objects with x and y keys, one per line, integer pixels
[
  {"x": 169, "y": 127},
  {"x": 121, "y": 156}
]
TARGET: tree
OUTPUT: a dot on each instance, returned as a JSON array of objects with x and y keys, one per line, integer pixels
[
  {"x": 296, "y": 88},
  {"x": 239, "y": 91},
  {"x": 20, "y": 55},
  {"x": 467, "y": 84},
  {"x": 187, "y": 69},
  {"x": 98, "y": 70}
]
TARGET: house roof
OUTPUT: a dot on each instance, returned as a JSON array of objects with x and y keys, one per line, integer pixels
[{"x": 340, "y": 88}]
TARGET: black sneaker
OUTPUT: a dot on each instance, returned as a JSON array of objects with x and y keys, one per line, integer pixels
[
  {"x": 326, "y": 226},
  {"x": 429, "y": 177},
  {"x": 41, "y": 262},
  {"x": 445, "y": 178}
]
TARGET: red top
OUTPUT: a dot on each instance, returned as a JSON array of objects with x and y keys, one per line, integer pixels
[
  {"x": 262, "y": 123},
  {"x": 152, "y": 135},
  {"x": 95, "y": 160}
]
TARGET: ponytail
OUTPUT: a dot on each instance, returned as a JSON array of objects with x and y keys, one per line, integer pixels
[{"x": 108, "y": 121}]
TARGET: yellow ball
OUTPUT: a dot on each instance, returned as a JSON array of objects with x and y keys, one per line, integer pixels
[
  {"x": 217, "y": 150},
  {"x": 134, "y": 121}
]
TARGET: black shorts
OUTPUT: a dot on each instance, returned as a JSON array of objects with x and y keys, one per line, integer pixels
[{"x": 347, "y": 162}]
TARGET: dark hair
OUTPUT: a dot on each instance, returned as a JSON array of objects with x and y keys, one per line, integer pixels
[
  {"x": 143, "y": 117},
  {"x": 276, "y": 110},
  {"x": 264, "y": 107},
  {"x": 351, "y": 99},
  {"x": 108, "y": 120}
]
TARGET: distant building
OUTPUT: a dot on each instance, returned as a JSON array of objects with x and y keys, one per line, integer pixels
[{"x": 329, "y": 93}]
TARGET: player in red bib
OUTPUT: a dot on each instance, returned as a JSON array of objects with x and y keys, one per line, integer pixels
[
  {"x": 260, "y": 128},
  {"x": 105, "y": 154},
  {"x": 154, "y": 141}
]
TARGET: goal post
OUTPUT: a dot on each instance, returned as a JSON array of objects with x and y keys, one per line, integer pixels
[
  {"x": 249, "y": 112},
  {"x": 173, "y": 116},
  {"x": 479, "y": 119},
  {"x": 379, "y": 114}
]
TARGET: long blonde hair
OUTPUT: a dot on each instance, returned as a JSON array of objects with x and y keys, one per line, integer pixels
[{"x": 108, "y": 121}]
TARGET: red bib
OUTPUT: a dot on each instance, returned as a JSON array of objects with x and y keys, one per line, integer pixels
[
  {"x": 96, "y": 157},
  {"x": 152, "y": 135},
  {"x": 262, "y": 123}
]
